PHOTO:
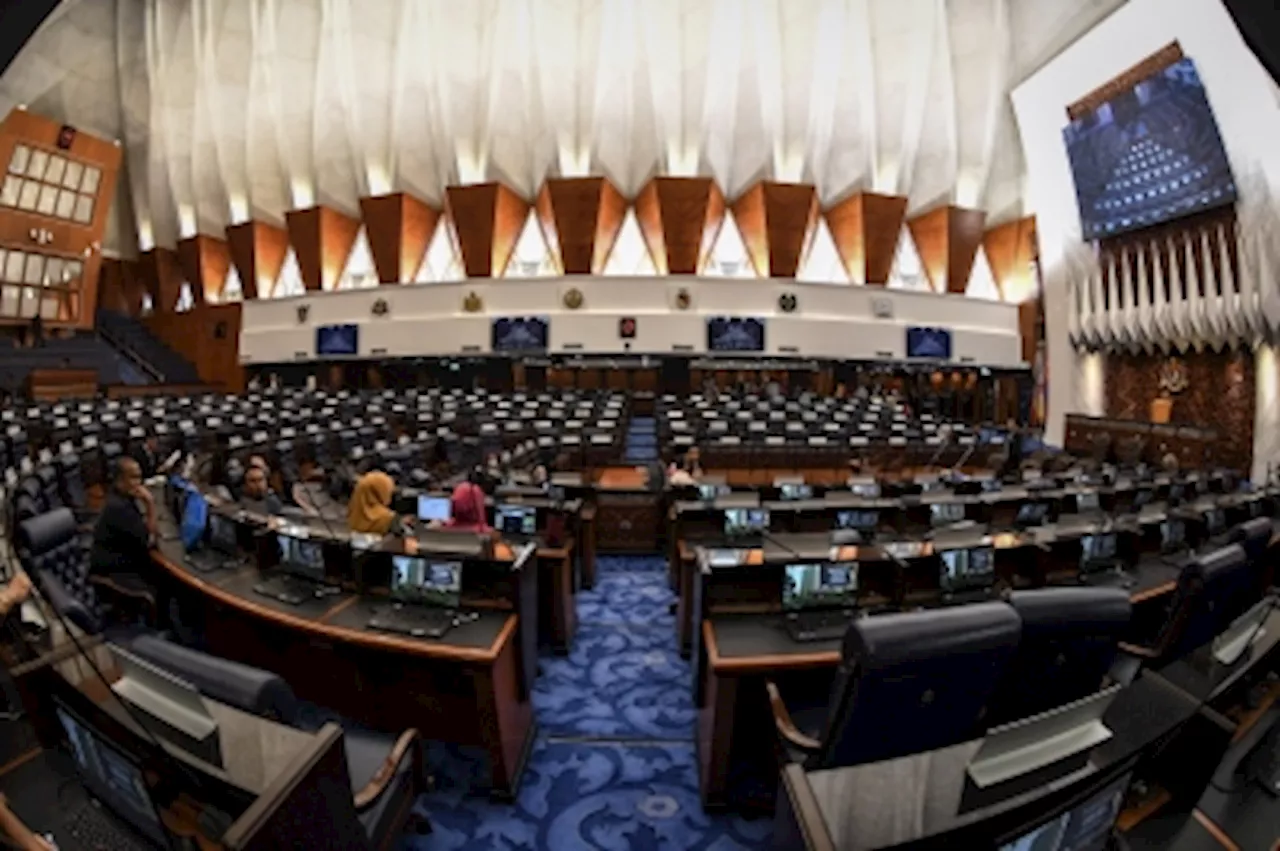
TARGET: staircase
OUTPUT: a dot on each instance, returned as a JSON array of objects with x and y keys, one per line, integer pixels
[
  {"x": 136, "y": 343},
  {"x": 82, "y": 351},
  {"x": 642, "y": 441}
]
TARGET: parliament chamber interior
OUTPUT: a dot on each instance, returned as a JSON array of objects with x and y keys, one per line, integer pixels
[{"x": 643, "y": 425}]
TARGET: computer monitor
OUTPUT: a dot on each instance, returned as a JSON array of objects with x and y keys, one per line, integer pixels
[
  {"x": 516, "y": 519},
  {"x": 745, "y": 522},
  {"x": 1097, "y": 550},
  {"x": 991, "y": 485},
  {"x": 945, "y": 513},
  {"x": 967, "y": 569},
  {"x": 820, "y": 586},
  {"x": 415, "y": 579},
  {"x": 1176, "y": 494},
  {"x": 1215, "y": 521},
  {"x": 112, "y": 776},
  {"x": 707, "y": 493},
  {"x": 794, "y": 491},
  {"x": 222, "y": 534},
  {"x": 1173, "y": 535},
  {"x": 1087, "y": 502},
  {"x": 1086, "y": 826},
  {"x": 1032, "y": 514},
  {"x": 863, "y": 521},
  {"x": 434, "y": 508},
  {"x": 302, "y": 557},
  {"x": 1142, "y": 498},
  {"x": 866, "y": 490}
]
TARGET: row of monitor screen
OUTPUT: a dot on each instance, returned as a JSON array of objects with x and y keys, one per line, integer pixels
[
  {"x": 835, "y": 584},
  {"x": 509, "y": 519}
]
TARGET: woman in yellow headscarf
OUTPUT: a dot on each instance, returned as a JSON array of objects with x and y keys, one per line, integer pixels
[{"x": 369, "y": 510}]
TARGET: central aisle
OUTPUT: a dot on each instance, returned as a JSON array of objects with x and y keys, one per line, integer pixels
[{"x": 614, "y": 763}]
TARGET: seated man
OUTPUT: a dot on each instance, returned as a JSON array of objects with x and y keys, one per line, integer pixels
[
  {"x": 126, "y": 528},
  {"x": 257, "y": 495}
]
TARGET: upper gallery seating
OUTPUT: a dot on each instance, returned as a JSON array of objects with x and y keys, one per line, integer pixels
[
  {"x": 133, "y": 337},
  {"x": 81, "y": 352}
]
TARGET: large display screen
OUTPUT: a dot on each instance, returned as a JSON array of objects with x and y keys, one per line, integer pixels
[
  {"x": 520, "y": 333},
  {"x": 337, "y": 340},
  {"x": 735, "y": 334},
  {"x": 929, "y": 343},
  {"x": 1150, "y": 154}
]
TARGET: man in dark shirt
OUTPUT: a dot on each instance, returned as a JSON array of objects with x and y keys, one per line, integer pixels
[
  {"x": 147, "y": 454},
  {"x": 127, "y": 526},
  {"x": 256, "y": 495}
]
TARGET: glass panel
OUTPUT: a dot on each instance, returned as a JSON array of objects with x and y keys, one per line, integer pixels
[
  {"x": 66, "y": 204},
  {"x": 9, "y": 300},
  {"x": 48, "y": 200},
  {"x": 39, "y": 162},
  {"x": 35, "y": 270},
  {"x": 90, "y": 182},
  {"x": 53, "y": 272},
  {"x": 30, "y": 193},
  {"x": 13, "y": 267},
  {"x": 12, "y": 189},
  {"x": 18, "y": 162},
  {"x": 49, "y": 307},
  {"x": 84, "y": 209},
  {"x": 71, "y": 272},
  {"x": 57, "y": 168},
  {"x": 75, "y": 172},
  {"x": 30, "y": 302}
]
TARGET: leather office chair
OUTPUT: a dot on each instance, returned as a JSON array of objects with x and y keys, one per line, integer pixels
[
  {"x": 386, "y": 775},
  {"x": 907, "y": 683},
  {"x": 1254, "y": 536},
  {"x": 1212, "y": 591},
  {"x": 1070, "y": 639}
]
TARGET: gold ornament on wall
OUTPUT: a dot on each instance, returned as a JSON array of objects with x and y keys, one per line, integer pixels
[
  {"x": 473, "y": 303},
  {"x": 683, "y": 299},
  {"x": 573, "y": 299}
]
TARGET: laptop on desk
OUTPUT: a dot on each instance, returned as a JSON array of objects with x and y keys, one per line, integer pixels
[
  {"x": 426, "y": 593},
  {"x": 967, "y": 574},
  {"x": 1100, "y": 563},
  {"x": 300, "y": 574},
  {"x": 432, "y": 507},
  {"x": 517, "y": 523},
  {"x": 819, "y": 600},
  {"x": 221, "y": 550},
  {"x": 745, "y": 526}
]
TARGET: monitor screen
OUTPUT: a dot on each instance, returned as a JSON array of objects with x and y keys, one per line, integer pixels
[
  {"x": 1173, "y": 534},
  {"x": 745, "y": 521},
  {"x": 969, "y": 568},
  {"x": 991, "y": 485},
  {"x": 863, "y": 521},
  {"x": 1141, "y": 498},
  {"x": 709, "y": 492},
  {"x": 337, "y": 340},
  {"x": 1032, "y": 513},
  {"x": 435, "y": 583},
  {"x": 793, "y": 491},
  {"x": 944, "y": 513},
  {"x": 520, "y": 333},
  {"x": 1087, "y": 502},
  {"x": 1085, "y": 827},
  {"x": 735, "y": 334},
  {"x": 1149, "y": 155},
  {"x": 932, "y": 343},
  {"x": 222, "y": 533},
  {"x": 866, "y": 490},
  {"x": 112, "y": 777},
  {"x": 302, "y": 557},
  {"x": 809, "y": 586},
  {"x": 1095, "y": 549},
  {"x": 434, "y": 507},
  {"x": 516, "y": 519}
]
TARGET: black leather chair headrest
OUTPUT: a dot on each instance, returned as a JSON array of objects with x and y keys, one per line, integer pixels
[
  {"x": 888, "y": 640},
  {"x": 1254, "y": 536},
  {"x": 46, "y": 531},
  {"x": 1053, "y": 608}
]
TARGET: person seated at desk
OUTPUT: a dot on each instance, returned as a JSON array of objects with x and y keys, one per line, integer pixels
[
  {"x": 493, "y": 471},
  {"x": 369, "y": 511},
  {"x": 256, "y": 495},
  {"x": 147, "y": 454},
  {"x": 467, "y": 510},
  {"x": 15, "y": 833},
  {"x": 312, "y": 492},
  {"x": 126, "y": 528},
  {"x": 687, "y": 472},
  {"x": 539, "y": 477}
]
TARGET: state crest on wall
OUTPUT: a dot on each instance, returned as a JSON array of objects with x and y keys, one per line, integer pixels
[
  {"x": 573, "y": 299},
  {"x": 380, "y": 307},
  {"x": 304, "y": 310},
  {"x": 787, "y": 302},
  {"x": 472, "y": 303},
  {"x": 683, "y": 299}
]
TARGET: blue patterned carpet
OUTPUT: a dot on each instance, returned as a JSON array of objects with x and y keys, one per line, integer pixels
[{"x": 614, "y": 766}]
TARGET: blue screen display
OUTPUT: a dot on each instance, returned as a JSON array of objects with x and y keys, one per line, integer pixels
[
  {"x": 520, "y": 334},
  {"x": 929, "y": 343},
  {"x": 338, "y": 340},
  {"x": 732, "y": 334},
  {"x": 1150, "y": 154}
]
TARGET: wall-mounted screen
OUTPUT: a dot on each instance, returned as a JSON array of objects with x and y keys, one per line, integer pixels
[
  {"x": 337, "y": 340},
  {"x": 929, "y": 343},
  {"x": 735, "y": 334},
  {"x": 520, "y": 333},
  {"x": 1150, "y": 154}
]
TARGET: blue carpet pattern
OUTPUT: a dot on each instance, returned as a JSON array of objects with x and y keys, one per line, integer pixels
[
  {"x": 642, "y": 441},
  {"x": 614, "y": 765}
]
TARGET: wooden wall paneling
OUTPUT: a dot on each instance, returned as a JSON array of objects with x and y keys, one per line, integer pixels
[
  {"x": 1028, "y": 322},
  {"x": 929, "y": 232},
  {"x": 120, "y": 287},
  {"x": 580, "y": 219},
  {"x": 322, "y": 239},
  {"x": 865, "y": 228},
  {"x": 544, "y": 208},
  {"x": 208, "y": 336},
  {"x": 1010, "y": 249},
  {"x": 205, "y": 261},
  {"x": 487, "y": 219},
  {"x": 189, "y": 262},
  {"x": 674, "y": 214},
  {"x": 162, "y": 277},
  {"x": 1168, "y": 55},
  {"x": 258, "y": 249},
  {"x": 398, "y": 228},
  {"x": 777, "y": 221},
  {"x": 712, "y": 224},
  {"x": 69, "y": 239},
  {"x": 417, "y": 225},
  {"x": 964, "y": 235}
]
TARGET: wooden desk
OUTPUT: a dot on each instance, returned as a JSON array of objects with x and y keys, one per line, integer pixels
[
  {"x": 463, "y": 688},
  {"x": 557, "y": 613}
]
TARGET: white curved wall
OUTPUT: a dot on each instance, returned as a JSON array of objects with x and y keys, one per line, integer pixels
[{"x": 837, "y": 322}]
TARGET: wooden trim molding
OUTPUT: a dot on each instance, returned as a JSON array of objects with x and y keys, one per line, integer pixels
[{"x": 1168, "y": 55}]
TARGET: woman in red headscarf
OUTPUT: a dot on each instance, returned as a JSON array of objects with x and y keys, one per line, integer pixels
[{"x": 468, "y": 509}]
